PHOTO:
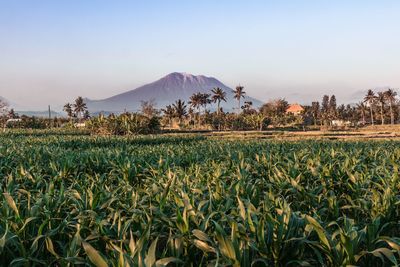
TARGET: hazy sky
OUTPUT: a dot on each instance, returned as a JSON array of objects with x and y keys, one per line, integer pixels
[{"x": 54, "y": 50}]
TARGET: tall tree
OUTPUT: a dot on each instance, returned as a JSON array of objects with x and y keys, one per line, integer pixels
[
  {"x": 325, "y": 108},
  {"x": 179, "y": 110},
  {"x": 195, "y": 101},
  {"x": 362, "y": 109},
  {"x": 352, "y": 113},
  {"x": 315, "y": 111},
  {"x": 169, "y": 112},
  {"x": 332, "y": 107},
  {"x": 390, "y": 95},
  {"x": 370, "y": 99},
  {"x": 381, "y": 99},
  {"x": 190, "y": 113},
  {"x": 218, "y": 96},
  {"x": 238, "y": 94},
  {"x": 341, "y": 112},
  {"x": 79, "y": 106},
  {"x": 275, "y": 110},
  {"x": 205, "y": 100},
  {"x": 68, "y": 109},
  {"x": 281, "y": 106}
]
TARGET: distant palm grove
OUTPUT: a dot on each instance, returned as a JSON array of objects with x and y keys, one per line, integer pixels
[{"x": 203, "y": 112}]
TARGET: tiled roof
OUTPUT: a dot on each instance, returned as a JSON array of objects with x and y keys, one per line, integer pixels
[{"x": 294, "y": 108}]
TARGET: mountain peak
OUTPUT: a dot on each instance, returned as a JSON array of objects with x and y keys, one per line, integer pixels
[
  {"x": 186, "y": 80},
  {"x": 176, "y": 85},
  {"x": 184, "y": 76},
  {"x": 180, "y": 74},
  {"x": 175, "y": 73}
]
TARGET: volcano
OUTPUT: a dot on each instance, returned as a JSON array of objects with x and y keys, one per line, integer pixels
[{"x": 166, "y": 91}]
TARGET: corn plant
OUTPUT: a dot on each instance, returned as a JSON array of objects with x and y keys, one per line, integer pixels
[{"x": 72, "y": 199}]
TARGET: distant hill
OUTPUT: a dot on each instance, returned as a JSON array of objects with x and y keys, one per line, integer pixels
[
  {"x": 166, "y": 91},
  {"x": 40, "y": 114},
  {"x": 4, "y": 100}
]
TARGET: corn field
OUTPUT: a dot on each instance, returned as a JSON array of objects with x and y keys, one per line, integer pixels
[{"x": 70, "y": 200}]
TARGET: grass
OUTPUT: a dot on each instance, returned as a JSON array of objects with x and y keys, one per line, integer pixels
[{"x": 190, "y": 200}]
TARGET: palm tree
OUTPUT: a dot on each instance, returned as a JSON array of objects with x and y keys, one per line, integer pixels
[
  {"x": 362, "y": 108},
  {"x": 205, "y": 100},
  {"x": 370, "y": 99},
  {"x": 179, "y": 110},
  {"x": 79, "y": 106},
  {"x": 238, "y": 94},
  {"x": 169, "y": 112},
  {"x": 381, "y": 98},
  {"x": 390, "y": 95},
  {"x": 68, "y": 110},
  {"x": 332, "y": 108},
  {"x": 325, "y": 110},
  {"x": 218, "y": 96},
  {"x": 195, "y": 101}
]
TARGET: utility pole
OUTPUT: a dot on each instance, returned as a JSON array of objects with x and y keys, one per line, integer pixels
[{"x": 50, "y": 122}]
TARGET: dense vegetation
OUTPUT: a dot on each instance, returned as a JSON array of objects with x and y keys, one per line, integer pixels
[
  {"x": 124, "y": 124},
  {"x": 147, "y": 201},
  {"x": 203, "y": 112}
]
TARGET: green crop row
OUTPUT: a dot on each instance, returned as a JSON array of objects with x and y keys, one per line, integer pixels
[{"x": 190, "y": 201}]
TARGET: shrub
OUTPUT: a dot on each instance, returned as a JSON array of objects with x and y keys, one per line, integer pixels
[{"x": 124, "y": 124}]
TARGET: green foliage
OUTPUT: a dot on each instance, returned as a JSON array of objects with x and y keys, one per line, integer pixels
[
  {"x": 124, "y": 124},
  {"x": 152, "y": 201},
  {"x": 26, "y": 122}
]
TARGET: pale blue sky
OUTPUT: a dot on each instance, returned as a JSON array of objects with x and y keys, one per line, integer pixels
[{"x": 54, "y": 50}]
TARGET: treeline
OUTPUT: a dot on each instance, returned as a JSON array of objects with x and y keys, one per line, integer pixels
[
  {"x": 382, "y": 107},
  {"x": 203, "y": 111},
  {"x": 196, "y": 114},
  {"x": 76, "y": 112},
  {"x": 32, "y": 122},
  {"x": 12, "y": 120},
  {"x": 124, "y": 124}
]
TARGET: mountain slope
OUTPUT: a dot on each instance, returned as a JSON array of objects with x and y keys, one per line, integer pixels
[
  {"x": 166, "y": 91},
  {"x": 3, "y": 99}
]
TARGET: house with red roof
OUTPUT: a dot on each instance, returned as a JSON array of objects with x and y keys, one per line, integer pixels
[{"x": 295, "y": 109}]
